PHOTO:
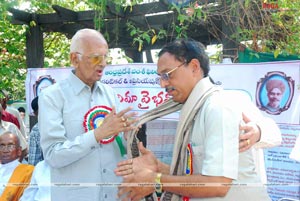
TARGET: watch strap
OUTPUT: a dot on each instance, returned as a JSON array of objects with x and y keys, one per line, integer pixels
[{"x": 158, "y": 184}]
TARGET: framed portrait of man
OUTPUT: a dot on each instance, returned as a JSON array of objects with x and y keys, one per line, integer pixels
[
  {"x": 41, "y": 83},
  {"x": 274, "y": 92}
]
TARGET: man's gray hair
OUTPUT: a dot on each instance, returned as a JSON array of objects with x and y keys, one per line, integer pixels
[
  {"x": 77, "y": 41},
  {"x": 7, "y": 132}
]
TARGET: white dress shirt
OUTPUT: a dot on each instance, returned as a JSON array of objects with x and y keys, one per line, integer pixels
[
  {"x": 215, "y": 146},
  {"x": 81, "y": 168},
  {"x": 39, "y": 187},
  {"x": 270, "y": 132},
  {"x": 6, "y": 170}
]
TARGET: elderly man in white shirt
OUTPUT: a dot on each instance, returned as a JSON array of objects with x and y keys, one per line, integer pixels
[
  {"x": 79, "y": 144},
  {"x": 14, "y": 176},
  {"x": 7, "y": 126}
]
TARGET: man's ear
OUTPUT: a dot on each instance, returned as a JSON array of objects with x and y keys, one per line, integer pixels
[
  {"x": 74, "y": 59},
  {"x": 195, "y": 65},
  {"x": 19, "y": 152}
]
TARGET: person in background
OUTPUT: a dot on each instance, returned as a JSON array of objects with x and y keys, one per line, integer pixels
[
  {"x": 6, "y": 116},
  {"x": 14, "y": 174},
  {"x": 22, "y": 113},
  {"x": 14, "y": 115},
  {"x": 206, "y": 154},
  {"x": 80, "y": 125},
  {"x": 35, "y": 154},
  {"x": 7, "y": 126}
]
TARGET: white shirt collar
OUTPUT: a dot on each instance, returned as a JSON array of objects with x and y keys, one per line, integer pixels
[{"x": 10, "y": 164}]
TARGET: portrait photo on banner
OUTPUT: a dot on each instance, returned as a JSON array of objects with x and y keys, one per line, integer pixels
[
  {"x": 274, "y": 92},
  {"x": 41, "y": 83}
]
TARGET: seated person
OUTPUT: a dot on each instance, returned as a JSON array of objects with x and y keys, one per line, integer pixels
[
  {"x": 39, "y": 188},
  {"x": 7, "y": 126},
  {"x": 12, "y": 172}
]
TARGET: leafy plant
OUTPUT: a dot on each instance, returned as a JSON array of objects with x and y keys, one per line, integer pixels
[
  {"x": 269, "y": 30},
  {"x": 12, "y": 55},
  {"x": 13, "y": 42},
  {"x": 139, "y": 36}
]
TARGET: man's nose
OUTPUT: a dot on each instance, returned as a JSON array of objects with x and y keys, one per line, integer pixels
[{"x": 164, "y": 83}]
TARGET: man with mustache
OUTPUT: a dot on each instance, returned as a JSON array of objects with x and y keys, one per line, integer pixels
[
  {"x": 275, "y": 91},
  {"x": 208, "y": 162}
]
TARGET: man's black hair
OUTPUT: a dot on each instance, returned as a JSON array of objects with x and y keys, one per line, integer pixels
[
  {"x": 185, "y": 50},
  {"x": 21, "y": 109},
  {"x": 34, "y": 104}
]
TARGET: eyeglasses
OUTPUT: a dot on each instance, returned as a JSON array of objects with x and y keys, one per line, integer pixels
[
  {"x": 9, "y": 147},
  {"x": 96, "y": 58},
  {"x": 166, "y": 76}
]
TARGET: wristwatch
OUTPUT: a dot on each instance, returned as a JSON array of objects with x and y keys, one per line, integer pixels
[{"x": 158, "y": 184}]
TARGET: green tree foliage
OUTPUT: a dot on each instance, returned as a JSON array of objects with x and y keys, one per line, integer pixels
[
  {"x": 270, "y": 29},
  {"x": 262, "y": 25},
  {"x": 12, "y": 57},
  {"x": 271, "y": 26},
  {"x": 13, "y": 44}
]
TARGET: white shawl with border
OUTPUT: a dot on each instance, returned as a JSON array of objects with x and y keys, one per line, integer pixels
[{"x": 186, "y": 120}]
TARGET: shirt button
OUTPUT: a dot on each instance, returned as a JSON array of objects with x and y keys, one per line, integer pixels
[
  {"x": 93, "y": 147},
  {"x": 104, "y": 170},
  {"x": 105, "y": 195}
]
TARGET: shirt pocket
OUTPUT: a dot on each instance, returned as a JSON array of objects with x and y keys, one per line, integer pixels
[{"x": 73, "y": 125}]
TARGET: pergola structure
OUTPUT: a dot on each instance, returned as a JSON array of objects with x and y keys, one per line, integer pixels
[{"x": 156, "y": 15}]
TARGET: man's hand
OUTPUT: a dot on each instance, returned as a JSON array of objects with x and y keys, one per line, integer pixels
[
  {"x": 138, "y": 175},
  {"x": 146, "y": 161},
  {"x": 137, "y": 185},
  {"x": 250, "y": 134},
  {"x": 114, "y": 123}
]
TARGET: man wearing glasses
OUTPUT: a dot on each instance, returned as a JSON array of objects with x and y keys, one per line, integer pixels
[
  {"x": 14, "y": 176},
  {"x": 79, "y": 123},
  {"x": 207, "y": 163},
  {"x": 8, "y": 126}
]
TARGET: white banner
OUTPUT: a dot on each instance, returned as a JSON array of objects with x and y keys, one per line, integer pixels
[{"x": 138, "y": 85}]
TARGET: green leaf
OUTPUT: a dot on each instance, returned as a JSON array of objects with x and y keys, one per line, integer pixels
[
  {"x": 32, "y": 23},
  {"x": 146, "y": 37},
  {"x": 276, "y": 53},
  {"x": 132, "y": 32}
]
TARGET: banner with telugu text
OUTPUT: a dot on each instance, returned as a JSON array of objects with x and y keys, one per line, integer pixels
[{"x": 138, "y": 85}]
